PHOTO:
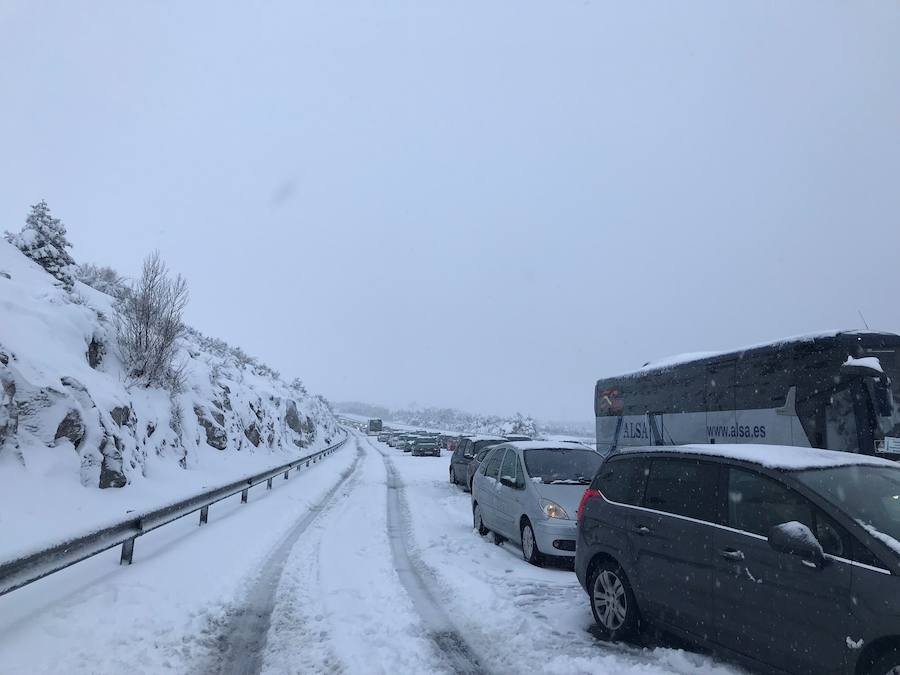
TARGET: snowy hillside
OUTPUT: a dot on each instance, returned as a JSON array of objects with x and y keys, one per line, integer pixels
[{"x": 72, "y": 422}]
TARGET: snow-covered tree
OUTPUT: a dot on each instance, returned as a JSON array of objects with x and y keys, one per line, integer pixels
[
  {"x": 524, "y": 426},
  {"x": 43, "y": 239},
  {"x": 150, "y": 324},
  {"x": 103, "y": 278}
]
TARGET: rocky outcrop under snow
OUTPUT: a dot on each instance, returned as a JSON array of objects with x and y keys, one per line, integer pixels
[{"x": 63, "y": 387}]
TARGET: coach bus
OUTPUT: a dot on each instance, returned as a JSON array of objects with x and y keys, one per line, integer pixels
[
  {"x": 375, "y": 426},
  {"x": 838, "y": 391}
]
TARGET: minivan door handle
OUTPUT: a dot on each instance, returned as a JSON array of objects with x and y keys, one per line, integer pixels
[
  {"x": 641, "y": 529},
  {"x": 732, "y": 554}
]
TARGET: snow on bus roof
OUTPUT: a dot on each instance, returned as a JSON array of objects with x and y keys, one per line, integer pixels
[
  {"x": 680, "y": 359},
  {"x": 772, "y": 456}
]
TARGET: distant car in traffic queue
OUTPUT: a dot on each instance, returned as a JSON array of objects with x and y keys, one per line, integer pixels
[
  {"x": 528, "y": 492},
  {"x": 466, "y": 449},
  {"x": 425, "y": 447},
  {"x": 783, "y": 558}
]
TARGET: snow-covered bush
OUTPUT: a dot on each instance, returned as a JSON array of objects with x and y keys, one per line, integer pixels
[
  {"x": 150, "y": 324},
  {"x": 102, "y": 278},
  {"x": 43, "y": 239}
]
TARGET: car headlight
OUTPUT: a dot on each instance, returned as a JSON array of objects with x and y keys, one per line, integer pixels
[{"x": 553, "y": 510}]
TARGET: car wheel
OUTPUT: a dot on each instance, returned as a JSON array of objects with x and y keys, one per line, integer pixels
[
  {"x": 452, "y": 476},
  {"x": 478, "y": 522},
  {"x": 886, "y": 663},
  {"x": 612, "y": 602},
  {"x": 529, "y": 546}
]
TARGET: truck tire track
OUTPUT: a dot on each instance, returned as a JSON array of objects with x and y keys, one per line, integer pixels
[
  {"x": 456, "y": 654},
  {"x": 241, "y": 642}
]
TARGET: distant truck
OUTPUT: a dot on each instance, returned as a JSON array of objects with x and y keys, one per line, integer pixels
[{"x": 375, "y": 426}]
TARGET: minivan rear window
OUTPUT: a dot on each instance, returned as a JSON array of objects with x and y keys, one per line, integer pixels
[
  {"x": 686, "y": 487},
  {"x": 622, "y": 480}
]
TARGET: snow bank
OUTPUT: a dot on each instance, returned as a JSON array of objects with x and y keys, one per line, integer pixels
[{"x": 70, "y": 420}]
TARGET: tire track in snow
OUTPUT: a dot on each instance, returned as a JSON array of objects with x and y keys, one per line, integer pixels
[
  {"x": 454, "y": 650},
  {"x": 242, "y": 641}
]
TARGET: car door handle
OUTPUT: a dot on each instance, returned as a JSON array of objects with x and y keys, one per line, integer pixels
[
  {"x": 641, "y": 529},
  {"x": 732, "y": 554}
]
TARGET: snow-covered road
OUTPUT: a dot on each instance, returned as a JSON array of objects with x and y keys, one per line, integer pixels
[{"x": 367, "y": 563}]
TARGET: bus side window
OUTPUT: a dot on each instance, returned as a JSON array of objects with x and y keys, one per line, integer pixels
[{"x": 811, "y": 411}]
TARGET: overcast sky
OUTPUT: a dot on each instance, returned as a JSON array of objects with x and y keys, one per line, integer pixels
[{"x": 485, "y": 205}]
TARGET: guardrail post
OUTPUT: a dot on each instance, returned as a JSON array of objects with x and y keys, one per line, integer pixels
[
  {"x": 244, "y": 496},
  {"x": 269, "y": 484},
  {"x": 286, "y": 474},
  {"x": 204, "y": 515},
  {"x": 127, "y": 552}
]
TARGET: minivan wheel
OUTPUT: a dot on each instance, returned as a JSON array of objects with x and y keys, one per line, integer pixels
[
  {"x": 478, "y": 522},
  {"x": 452, "y": 476},
  {"x": 886, "y": 663},
  {"x": 529, "y": 546},
  {"x": 613, "y": 603}
]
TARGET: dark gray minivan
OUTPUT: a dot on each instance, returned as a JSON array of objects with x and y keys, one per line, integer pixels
[{"x": 782, "y": 558}]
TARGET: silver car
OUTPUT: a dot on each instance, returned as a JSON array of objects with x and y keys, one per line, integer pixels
[{"x": 528, "y": 492}]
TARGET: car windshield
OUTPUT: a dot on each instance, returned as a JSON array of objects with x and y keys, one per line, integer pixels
[
  {"x": 868, "y": 494},
  {"x": 557, "y": 466}
]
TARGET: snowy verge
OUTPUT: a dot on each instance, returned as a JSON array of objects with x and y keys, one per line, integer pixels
[{"x": 163, "y": 613}]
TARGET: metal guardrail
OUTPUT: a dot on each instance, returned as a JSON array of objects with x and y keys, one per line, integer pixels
[{"x": 31, "y": 567}]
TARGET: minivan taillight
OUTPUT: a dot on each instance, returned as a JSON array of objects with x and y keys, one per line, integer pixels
[{"x": 590, "y": 493}]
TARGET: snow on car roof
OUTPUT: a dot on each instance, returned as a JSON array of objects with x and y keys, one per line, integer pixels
[
  {"x": 772, "y": 456},
  {"x": 484, "y": 437},
  {"x": 549, "y": 445}
]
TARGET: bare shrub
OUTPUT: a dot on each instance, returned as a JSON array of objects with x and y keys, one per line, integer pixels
[{"x": 150, "y": 325}]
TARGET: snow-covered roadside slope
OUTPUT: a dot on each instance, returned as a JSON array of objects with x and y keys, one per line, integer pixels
[{"x": 70, "y": 422}]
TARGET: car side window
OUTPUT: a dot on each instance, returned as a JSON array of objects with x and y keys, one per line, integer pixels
[
  {"x": 622, "y": 480},
  {"x": 492, "y": 464},
  {"x": 835, "y": 540},
  {"x": 520, "y": 474},
  {"x": 508, "y": 468},
  {"x": 686, "y": 487},
  {"x": 757, "y": 503}
]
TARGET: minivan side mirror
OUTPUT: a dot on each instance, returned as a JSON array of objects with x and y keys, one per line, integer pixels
[{"x": 795, "y": 538}]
